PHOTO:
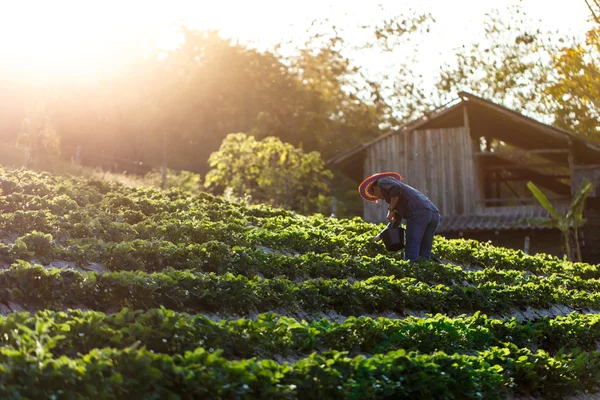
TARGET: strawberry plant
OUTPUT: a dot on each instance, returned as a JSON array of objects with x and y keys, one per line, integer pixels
[{"x": 193, "y": 296}]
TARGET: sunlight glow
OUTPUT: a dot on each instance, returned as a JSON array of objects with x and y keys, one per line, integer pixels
[
  {"x": 71, "y": 39},
  {"x": 79, "y": 39}
]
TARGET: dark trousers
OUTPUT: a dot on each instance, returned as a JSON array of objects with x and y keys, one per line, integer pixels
[{"x": 420, "y": 228}]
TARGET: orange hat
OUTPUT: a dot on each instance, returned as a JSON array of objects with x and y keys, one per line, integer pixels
[{"x": 366, "y": 187}]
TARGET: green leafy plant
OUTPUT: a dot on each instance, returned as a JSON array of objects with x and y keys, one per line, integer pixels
[
  {"x": 182, "y": 304},
  {"x": 270, "y": 171},
  {"x": 570, "y": 223}
]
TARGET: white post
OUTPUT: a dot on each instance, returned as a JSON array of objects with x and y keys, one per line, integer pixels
[{"x": 333, "y": 207}]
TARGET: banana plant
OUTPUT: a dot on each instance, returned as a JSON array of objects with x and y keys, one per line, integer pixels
[{"x": 573, "y": 220}]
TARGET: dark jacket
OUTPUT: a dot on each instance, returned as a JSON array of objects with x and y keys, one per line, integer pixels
[{"x": 409, "y": 198}]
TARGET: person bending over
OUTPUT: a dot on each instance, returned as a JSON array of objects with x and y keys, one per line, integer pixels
[{"x": 405, "y": 202}]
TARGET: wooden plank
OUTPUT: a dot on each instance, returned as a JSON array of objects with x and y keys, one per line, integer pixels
[
  {"x": 394, "y": 151},
  {"x": 428, "y": 157},
  {"x": 455, "y": 188},
  {"x": 467, "y": 159},
  {"x": 589, "y": 166},
  {"x": 519, "y": 166},
  {"x": 418, "y": 168},
  {"x": 367, "y": 214},
  {"x": 378, "y": 168},
  {"x": 524, "y": 177},
  {"x": 385, "y": 154},
  {"x": 450, "y": 199},
  {"x": 444, "y": 197},
  {"x": 380, "y": 158},
  {"x": 463, "y": 176},
  {"x": 373, "y": 207},
  {"x": 410, "y": 125},
  {"x": 411, "y": 157},
  {"x": 410, "y": 177},
  {"x": 520, "y": 152},
  {"x": 475, "y": 187},
  {"x": 435, "y": 170},
  {"x": 422, "y": 157},
  {"x": 458, "y": 171},
  {"x": 407, "y": 153},
  {"x": 366, "y": 166},
  {"x": 523, "y": 200}
]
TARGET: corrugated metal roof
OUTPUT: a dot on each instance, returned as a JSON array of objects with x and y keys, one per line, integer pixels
[{"x": 458, "y": 223}]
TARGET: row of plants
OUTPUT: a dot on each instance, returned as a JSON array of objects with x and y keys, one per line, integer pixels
[
  {"x": 203, "y": 231},
  {"x": 32, "y": 372},
  {"x": 197, "y": 292},
  {"x": 171, "y": 253},
  {"x": 213, "y": 256},
  {"x": 165, "y": 331},
  {"x": 184, "y": 227},
  {"x": 76, "y": 209}
]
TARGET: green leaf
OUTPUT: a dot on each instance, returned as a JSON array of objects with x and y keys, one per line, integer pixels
[
  {"x": 575, "y": 213},
  {"x": 543, "y": 200}
]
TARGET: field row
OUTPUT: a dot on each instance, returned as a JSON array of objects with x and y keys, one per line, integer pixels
[
  {"x": 32, "y": 372},
  {"x": 164, "y": 331},
  {"x": 218, "y": 257},
  {"x": 78, "y": 209},
  {"x": 45, "y": 235},
  {"x": 54, "y": 289}
]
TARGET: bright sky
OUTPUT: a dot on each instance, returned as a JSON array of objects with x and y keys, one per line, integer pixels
[{"x": 66, "y": 39}]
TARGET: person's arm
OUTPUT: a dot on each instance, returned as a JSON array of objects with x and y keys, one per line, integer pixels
[
  {"x": 391, "y": 215},
  {"x": 391, "y": 190}
]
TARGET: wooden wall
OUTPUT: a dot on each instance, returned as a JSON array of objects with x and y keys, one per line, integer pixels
[
  {"x": 591, "y": 231},
  {"x": 437, "y": 162},
  {"x": 590, "y": 172}
]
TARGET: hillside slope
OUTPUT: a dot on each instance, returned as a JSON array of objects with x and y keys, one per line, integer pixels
[{"x": 113, "y": 292}]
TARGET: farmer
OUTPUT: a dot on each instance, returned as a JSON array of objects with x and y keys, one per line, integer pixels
[{"x": 422, "y": 216}]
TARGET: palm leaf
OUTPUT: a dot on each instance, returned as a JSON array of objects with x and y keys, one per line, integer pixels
[
  {"x": 543, "y": 200},
  {"x": 576, "y": 209}
]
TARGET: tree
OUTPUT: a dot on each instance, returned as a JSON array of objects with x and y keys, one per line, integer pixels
[
  {"x": 574, "y": 92},
  {"x": 361, "y": 106},
  {"x": 594, "y": 7},
  {"x": 37, "y": 134},
  {"x": 270, "y": 171},
  {"x": 568, "y": 224},
  {"x": 547, "y": 76}
]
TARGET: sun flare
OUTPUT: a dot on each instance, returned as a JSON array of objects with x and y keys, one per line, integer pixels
[{"x": 62, "y": 40}]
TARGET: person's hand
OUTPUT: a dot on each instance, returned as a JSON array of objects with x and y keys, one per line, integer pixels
[{"x": 391, "y": 216}]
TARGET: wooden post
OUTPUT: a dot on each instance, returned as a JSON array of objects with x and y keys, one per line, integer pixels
[
  {"x": 164, "y": 164},
  {"x": 571, "y": 159},
  {"x": 475, "y": 169},
  {"x": 526, "y": 245},
  {"x": 497, "y": 183}
]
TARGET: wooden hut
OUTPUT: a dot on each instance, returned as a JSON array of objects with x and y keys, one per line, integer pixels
[{"x": 473, "y": 158}]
